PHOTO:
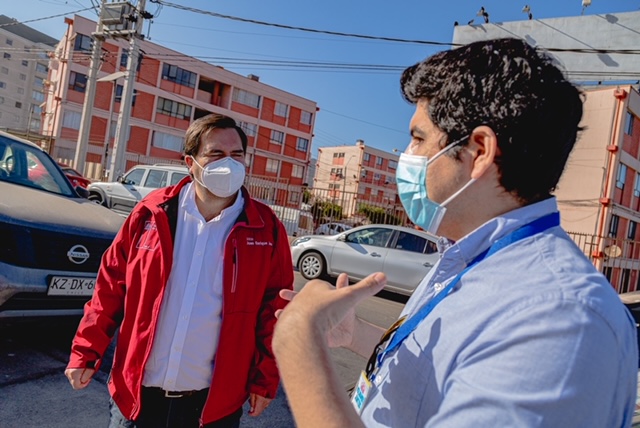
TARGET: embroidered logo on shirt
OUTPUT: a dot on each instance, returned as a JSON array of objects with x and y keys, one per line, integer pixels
[
  {"x": 251, "y": 241},
  {"x": 149, "y": 239}
]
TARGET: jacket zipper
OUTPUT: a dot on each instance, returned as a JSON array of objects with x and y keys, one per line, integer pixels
[{"x": 235, "y": 266}]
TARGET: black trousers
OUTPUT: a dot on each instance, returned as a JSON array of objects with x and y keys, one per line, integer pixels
[{"x": 159, "y": 411}]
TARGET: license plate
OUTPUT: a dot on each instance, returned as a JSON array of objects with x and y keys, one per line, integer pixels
[{"x": 71, "y": 286}]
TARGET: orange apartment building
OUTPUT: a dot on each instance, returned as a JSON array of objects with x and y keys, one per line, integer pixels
[
  {"x": 599, "y": 192},
  {"x": 171, "y": 90},
  {"x": 350, "y": 175}
]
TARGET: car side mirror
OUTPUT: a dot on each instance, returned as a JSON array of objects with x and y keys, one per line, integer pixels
[
  {"x": 82, "y": 192},
  {"x": 342, "y": 237}
]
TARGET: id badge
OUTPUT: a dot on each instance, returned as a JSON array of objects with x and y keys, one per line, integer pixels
[{"x": 360, "y": 392}]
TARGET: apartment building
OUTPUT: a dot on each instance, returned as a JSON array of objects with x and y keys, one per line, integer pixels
[
  {"x": 170, "y": 91},
  {"x": 599, "y": 192},
  {"x": 24, "y": 66},
  {"x": 352, "y": 175}
]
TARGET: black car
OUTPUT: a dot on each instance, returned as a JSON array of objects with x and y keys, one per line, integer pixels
[{"x": 52, "y": 237}]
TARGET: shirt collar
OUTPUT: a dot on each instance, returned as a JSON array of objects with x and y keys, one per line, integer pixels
[
  {"x": 188, "y": 203},
  {"x": 479, "y": 240}
]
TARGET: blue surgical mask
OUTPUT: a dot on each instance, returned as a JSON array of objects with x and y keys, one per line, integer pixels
[{"x": 411, "y": 177}]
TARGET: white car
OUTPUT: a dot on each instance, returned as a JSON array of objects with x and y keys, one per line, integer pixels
[
  {"x": 405, "y": 255},
  {"x": 122, "y": 195},
  {"x": 332, "y": 228}
]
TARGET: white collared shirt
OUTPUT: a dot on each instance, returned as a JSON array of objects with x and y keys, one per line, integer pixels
[{"x": 186, "y": 336}]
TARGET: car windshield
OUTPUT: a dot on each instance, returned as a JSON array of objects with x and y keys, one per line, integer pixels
[
  {"x": 29, "y": 166},
  {"x": 69, "y": 170}
]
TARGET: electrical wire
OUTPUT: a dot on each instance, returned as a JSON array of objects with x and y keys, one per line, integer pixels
[{"x": 46, "y": 17}]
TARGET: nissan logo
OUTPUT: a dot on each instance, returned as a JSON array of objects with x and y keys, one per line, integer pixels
[{"x": 78, "y": 254}]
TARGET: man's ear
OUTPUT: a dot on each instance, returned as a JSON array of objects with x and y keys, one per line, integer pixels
[{"x": 483, "y": 144}]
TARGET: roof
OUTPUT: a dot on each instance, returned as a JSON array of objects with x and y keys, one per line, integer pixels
[{"x": 25, "y": 31}]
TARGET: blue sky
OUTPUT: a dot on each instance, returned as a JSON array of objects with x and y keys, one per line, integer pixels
[{"x": 354, "y": 104}]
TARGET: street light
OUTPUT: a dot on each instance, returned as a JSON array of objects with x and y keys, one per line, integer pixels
[
  {"x": 344, "y": 183},
  {"x": 113, "y": 78}
]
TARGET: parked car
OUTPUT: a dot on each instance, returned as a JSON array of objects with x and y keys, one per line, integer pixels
[
  {"x": 405, "y": 255},
  {"x": 332, "y": 228},
  {"x": 122, "y": 195},
  {"x": 74, "y": 176},
  {"x": 52, "y": 238},
  {"x": 632, "y": 301}
]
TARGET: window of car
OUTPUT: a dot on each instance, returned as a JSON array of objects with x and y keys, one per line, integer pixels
[
  {"x": 176, "y": 177},
  {"x": 376, "y": 236},
  {"x": 156, "y": 178},
  {"x": 410, "y": 242},
  {"x": 134, "y": 176}
]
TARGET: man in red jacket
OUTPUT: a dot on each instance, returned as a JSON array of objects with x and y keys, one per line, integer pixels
[{"x": 191, "y": 281}]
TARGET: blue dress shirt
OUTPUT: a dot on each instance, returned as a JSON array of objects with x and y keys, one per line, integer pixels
[{"x": 532, "y": 336}]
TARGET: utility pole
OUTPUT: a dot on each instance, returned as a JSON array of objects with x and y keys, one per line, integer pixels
[
  {"x": 89, "y": 97},
  {"x": 120, "y": 145}
]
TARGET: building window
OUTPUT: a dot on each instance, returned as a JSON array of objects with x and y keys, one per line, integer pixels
[
  {"x": 1, "y": 100},
  {"x": 41, "y": 68},
  {"x": 10, "y": 42},
  {"x": 77, "y": 81},
  {"x": 178, "y": 75},
  {"x": 82, "y": 43},
  {"x": 38, "y": 82},
  {"x": 366, "y": 157},
  {"x": 71, "y": 119},
  {"x": 4, "y": 70},
  {"x": 613, "y": 225},
  {"x": 338, "y": 155},
  {"x": 23, "y": 76},
  {"x": 36, "y": 109},
  {"x": 173, "y": 108},
  {"x": 6, "y": 55},
  {"x": 303, "y": 144},
  {"x": 636, "y": 187},
  {"x": 18, "y": 104},
  {"x": 37, "y": 96},
  {"x": 624, "y": 280},
  {"x": 336, "y": 171},
  {"x": 294, "y": 197},
  {"x": 281, "y": 109},
  {"x": 305, "y": 117},
  {"x": 297, "y": 171},
  {"x": 247, "y": 98},
  {"x": 21, "y": 91},
  {"x": 167, "y": 141},
  {"x": 117, "y": 97},
  {"x": 25, "y": 63},
  {"x": 124, "y": 58},
  {"x": 3, "y": 85},
  {"x": 277, "y": 136},
  {"x": 622, "y": 175},
  {"x": 251, "y": 129},
  {"x": 631, "y": 234},
  {"x": 273, "y": 165},
  {"x": 379, "y": 161},
  {"x": 34, "y": 124},
  {"x": 393, "y": 164},
  {"x": 628, "y": 125}
]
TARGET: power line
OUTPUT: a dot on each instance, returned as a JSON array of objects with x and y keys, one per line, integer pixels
[{"x": 46, "y": 17}]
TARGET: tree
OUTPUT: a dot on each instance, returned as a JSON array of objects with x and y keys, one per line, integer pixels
[
  {"x": 378, "y": 215},
  {"x": 325, "y": 209}
]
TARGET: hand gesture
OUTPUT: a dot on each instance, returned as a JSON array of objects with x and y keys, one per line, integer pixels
[{"x": 79, "y": 378}]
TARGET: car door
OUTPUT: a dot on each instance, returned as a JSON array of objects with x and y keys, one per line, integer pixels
[
  {"x": 125, "y": 194},
  {"x": 408, "y": 260},
  {"x": 361, "y": 253}
]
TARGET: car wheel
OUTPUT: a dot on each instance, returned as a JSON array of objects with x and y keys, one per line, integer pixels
[
  {"x": 97, "y": 199},
  {"x": 311, "y": 266}
]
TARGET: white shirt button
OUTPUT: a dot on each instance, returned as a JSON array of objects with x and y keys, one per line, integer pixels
[{"x": 438, "y": 286}]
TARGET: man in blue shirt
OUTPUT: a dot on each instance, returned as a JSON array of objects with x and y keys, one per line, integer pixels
[{"x": 513, "y": 326}]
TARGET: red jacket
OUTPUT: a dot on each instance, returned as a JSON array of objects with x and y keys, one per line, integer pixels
[{"x": 131, "y": 283}]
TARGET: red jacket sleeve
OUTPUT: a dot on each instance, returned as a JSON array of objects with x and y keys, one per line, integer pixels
[
  {"x": 264, "y": 377},
  {"x": 103, "y": 313}
]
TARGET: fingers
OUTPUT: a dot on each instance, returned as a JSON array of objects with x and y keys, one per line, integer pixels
[
  {"x": 257, "y": 404},
  {"x": 287, "y": 294},
  {"x": 79, "y": 378},
  {"x": 369, "y": 286},
  {"x": 342, "y": 281}
]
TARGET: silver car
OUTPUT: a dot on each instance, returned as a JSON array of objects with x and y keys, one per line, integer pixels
[{"x": 405, "y": 255}]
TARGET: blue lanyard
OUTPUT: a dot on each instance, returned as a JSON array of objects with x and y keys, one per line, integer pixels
[{"x": 530, "y": 229}]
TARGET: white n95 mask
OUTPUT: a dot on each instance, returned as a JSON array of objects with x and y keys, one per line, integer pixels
[{"x": 223, "y": 177}]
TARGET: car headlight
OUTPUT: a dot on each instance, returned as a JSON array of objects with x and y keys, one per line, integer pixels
[{"x": 300, "y": 241}]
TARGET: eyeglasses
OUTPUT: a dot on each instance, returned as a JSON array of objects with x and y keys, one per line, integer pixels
[{"x": 373, "y": 359}]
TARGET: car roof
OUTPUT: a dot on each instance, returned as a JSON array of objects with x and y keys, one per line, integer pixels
[
  {"x": 400, "y": 228},
  {"x": 22, "y": 140}
]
